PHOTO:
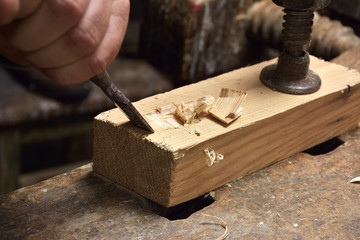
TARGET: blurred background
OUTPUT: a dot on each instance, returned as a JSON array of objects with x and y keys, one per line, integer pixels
[{"x": 46, "y": 129}]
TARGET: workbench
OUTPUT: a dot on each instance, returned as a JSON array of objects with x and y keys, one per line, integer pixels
[{"x": 302, "y": 197}]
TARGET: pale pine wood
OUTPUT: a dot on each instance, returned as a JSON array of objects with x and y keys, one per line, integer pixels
[
  {"x": 170, "y": 166},
  {"x": 227, "y": 107}
]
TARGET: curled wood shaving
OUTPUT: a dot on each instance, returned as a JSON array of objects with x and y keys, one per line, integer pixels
[
  {"x": 222, "y": 224},
  {"x": 187, "y": 113},
  {"x": 227, "y": 107},
  {"x": 203, "y": 104},
  {"x": 355, "y": 180},
  {"x": 184, "y": 113},
  {"x": 212, "y": 157}
]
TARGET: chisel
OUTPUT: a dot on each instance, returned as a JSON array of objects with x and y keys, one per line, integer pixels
[{"x": 103, "y": 81}]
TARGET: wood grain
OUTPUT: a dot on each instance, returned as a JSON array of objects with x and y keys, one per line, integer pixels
[{"x": 170, "y": 166}]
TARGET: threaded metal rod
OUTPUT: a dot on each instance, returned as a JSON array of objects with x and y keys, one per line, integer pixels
[
  {"x": 291, "y": 74},
  {"x": 297, "y": 31},
  {"x": 329, "y": 38}
]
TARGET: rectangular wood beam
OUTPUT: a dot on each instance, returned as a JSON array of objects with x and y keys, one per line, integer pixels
[{"x": 171, "y": 166}]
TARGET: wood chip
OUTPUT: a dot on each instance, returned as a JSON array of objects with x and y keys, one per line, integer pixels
[
  {"x": 355, "y": 180},
  {"x": 197, "y": 131},
  {"x": 228, "y": 107},
  {"x": 187, "y": 113},
  {"x": 202, "y": 105},
  {"x": 184, "y": 113}
]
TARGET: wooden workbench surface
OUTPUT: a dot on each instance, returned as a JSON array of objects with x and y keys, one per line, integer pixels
[{"x": 302, "y": 197}]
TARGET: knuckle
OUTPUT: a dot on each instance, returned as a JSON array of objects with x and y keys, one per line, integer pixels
[
  {"x": 68, "y": 9},
  {"x": 84, "y": 41}
]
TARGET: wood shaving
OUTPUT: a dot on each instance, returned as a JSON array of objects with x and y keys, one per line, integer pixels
[
  {"x": 212, "y": 157},
  {"x": 227, "y": 107},
  {"x": 222, "y": 224},
  {"x": 355, "y": 180},
  {"x": 184, "y": 113},
  {"x": 203, "y": 104},
  {"x": 189, "y": 112}
]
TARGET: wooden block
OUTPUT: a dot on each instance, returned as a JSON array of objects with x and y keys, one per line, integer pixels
[{"x": 171, "y": 166}]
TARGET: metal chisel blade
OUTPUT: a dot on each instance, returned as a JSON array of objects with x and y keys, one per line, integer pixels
[{"x": 103, "y": 81}]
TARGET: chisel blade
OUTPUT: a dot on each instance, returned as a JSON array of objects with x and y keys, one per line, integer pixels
[{"x": 103, "y": 81}]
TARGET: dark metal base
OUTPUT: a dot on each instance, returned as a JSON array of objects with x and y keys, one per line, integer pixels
[{"x": 271, "y": 79}]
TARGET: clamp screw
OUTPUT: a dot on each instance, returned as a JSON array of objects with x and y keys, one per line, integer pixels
[{"x": 291, "y": 74}]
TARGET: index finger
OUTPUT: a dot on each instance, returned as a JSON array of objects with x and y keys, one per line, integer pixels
[{"x": 51, "y": 20}]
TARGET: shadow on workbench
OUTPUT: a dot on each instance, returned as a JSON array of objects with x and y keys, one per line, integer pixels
[
  {"x": 181, "y": 211},
  {"x": 325, "y": 147}
]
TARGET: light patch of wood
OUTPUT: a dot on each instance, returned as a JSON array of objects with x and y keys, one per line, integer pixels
[
  {"x": 228, "y": 107},
  {"x": 164, "y": 118}
]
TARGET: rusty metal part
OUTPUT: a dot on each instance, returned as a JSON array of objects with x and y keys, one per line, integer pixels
[
  {"x": 309, "y": 5},
  {"x": 329, "y": 38},
  {"x": 291, "y": 74},
  {"x": 103, "y": 81}
]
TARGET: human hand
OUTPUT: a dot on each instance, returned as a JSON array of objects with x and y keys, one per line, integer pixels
[{"x": 69, "y": 41}]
